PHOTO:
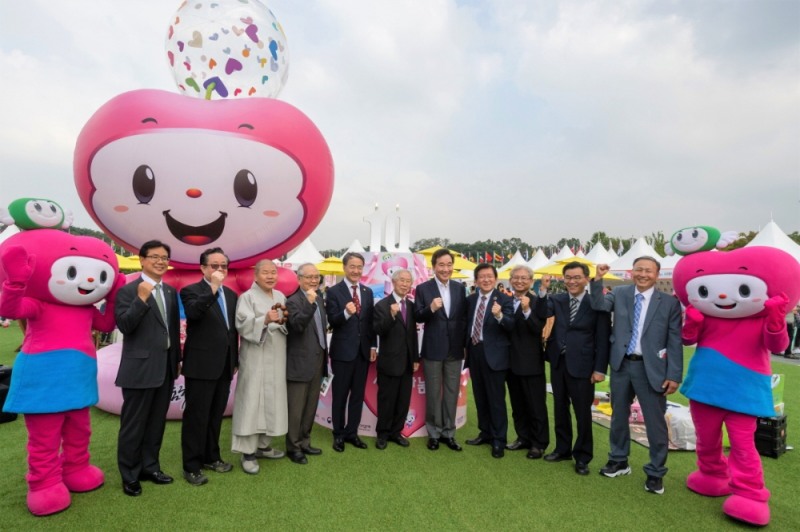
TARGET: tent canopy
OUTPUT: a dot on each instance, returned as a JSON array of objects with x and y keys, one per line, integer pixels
[{"x": 459, "y": 263}]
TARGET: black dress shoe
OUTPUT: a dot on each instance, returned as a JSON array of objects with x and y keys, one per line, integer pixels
[
  {"x": 298, "y": 458},
  {"x": 497, "y": 451},
  {"x": 399, "y": 440},
  {"x": 582, "y": 468},
  {"x": 313, "y": 451},
  {"x": 133, "y": 489},
  {"x": 157, "y": 477},
  {"x": 433, "y": 444},
  {"x": 518, "y": 445},
  {"x": 534, "y": 453},
  {"x": 556, "y": 457},
  {"x": 480, "y": 440},
  {"x": 356, "y": 442},
  {"x": 451, "y": 443},
  {"x": 380, "y": 443},
  {"x": 338, "y": 445}
]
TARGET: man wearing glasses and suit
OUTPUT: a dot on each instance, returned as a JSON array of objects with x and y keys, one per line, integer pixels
[
  {"x": 210, "y": 358},
  {"x": 146, "y": 312}
]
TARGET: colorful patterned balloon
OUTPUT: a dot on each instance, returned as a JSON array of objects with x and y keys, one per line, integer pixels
[{"x": 227, "y": 49}]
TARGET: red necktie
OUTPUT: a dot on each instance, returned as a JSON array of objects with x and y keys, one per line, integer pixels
[{"x": 356, "y": 299}]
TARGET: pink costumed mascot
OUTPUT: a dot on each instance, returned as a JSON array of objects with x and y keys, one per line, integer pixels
[
  {"x": 736, "y": 303},
  {"x": 53, "y": 280}
]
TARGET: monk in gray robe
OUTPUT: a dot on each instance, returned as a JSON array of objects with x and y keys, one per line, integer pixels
[{"x": 260, "y": 411}]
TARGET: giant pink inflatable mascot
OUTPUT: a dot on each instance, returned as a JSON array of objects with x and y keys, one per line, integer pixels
[
  {"x": 53, "y": 280},
  {"x": 736, "y": 303}
]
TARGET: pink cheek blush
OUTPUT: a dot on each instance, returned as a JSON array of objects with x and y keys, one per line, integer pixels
[
  {"x": 271, "y": 214},
  {"x": 61, "y": 282},
  {"x": 121, "y": 208}
]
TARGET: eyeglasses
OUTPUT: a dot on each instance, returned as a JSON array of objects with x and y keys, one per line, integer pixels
[
  {"x": 217, "y": 266},
  {"x": 311, "y": 277},
  {"x": 520, "y": 278},
  {"x": 576, "y": 279},
  {"x": 157, "y": 258}
]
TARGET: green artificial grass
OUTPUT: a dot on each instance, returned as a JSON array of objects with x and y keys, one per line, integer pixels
[{"x": 405, "y": 489}]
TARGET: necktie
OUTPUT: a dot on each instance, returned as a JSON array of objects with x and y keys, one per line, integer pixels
[
  {"x": 356, "y": 299},
  {"x": 320, "y": 332},
  {"x": 637, "y": 313},
  {"x": 403, "y": 310},
  {"x": 161, "y": 309},
  {"x": 478, "y": 325},
  {"x": 221, "y": 301},
  {"x": 573, "y": 308}
]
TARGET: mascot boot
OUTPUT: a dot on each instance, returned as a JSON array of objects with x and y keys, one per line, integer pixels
[{"x": 78, "y": 474}]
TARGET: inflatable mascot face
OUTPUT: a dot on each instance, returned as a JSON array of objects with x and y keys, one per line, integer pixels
[
  {"x": 253, "y": 176},
  {"x": 736, "y": 284},
  {"x": 68, "y": 269},
  {"x": 36, "y": 213}
]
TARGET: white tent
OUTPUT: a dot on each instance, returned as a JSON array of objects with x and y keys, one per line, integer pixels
[
  {"x": 638, "y": 249},
  {"x": 356, "y": 247},
  {"x": 599, "y": 255},
  {"x": 538, "y": 260},
  {"x": 516, "y": 260},
  {"x": 305, "y": 252},
  {"x": 8, "y": 232},
  {"x": 772, "y": 236},
  {"x": 564, "y": 253}
]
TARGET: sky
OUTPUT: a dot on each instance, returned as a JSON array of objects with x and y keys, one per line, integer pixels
[{"x": 480, "y": 119}]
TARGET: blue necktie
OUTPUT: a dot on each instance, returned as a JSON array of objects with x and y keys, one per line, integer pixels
[
  {"x": 221, "y": 301},
  {"x": 637, "y": 313}
]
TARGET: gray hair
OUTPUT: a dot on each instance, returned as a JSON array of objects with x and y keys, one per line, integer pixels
[
  {"x": 303, "y": 267},
  {"x": 522, "y": 267},
  {"x": 260, "y": 263},
  {"x": 397, "y": 273}
]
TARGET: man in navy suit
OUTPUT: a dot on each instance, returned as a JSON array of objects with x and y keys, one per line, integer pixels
[
  {"x": 646, "y": 361},
  {"x": 349, "y": 306},
  {"x": 441, "y": 305},
  {"x": 491, "y": 315},
  {"x": 398, "y": 359},
  {"x": 146, "y": 311},
  {"x": 210, "y": 358},
  {"x": 527, "y": 385},
  {"x": 578, "y": 354}
]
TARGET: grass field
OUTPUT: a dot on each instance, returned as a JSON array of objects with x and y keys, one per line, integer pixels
[{"x": 395, "y": 489}]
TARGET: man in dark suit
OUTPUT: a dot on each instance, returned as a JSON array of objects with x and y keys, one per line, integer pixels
[
  {"x": 306, "y": 361},
  {"x": 578, "y": 355},
  {"x": 527, "y": 385},
  {"x": 441, "y": 305},
  {"x": 646, "y": 361},
  {"x": 349, "y": 306},
  {"x": 398, "y": 359},
  {"x": 146, "y": 312},
  {"x": 491, "y": 315},
  {"x": 210, "y": 358}
]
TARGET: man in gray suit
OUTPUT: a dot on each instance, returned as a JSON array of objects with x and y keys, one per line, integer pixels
[
  {"x": 306, "y": 361},
  {"x": 646, "y": 361},
  {"x": 146, "y": 312}
]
